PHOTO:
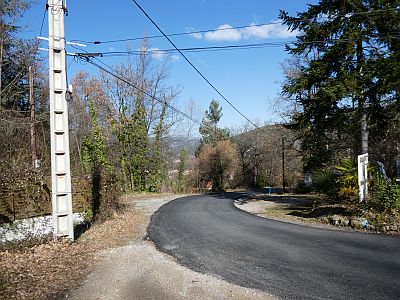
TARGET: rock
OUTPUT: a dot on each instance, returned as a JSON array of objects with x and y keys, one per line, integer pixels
[
  {"x": 345, "y": 222},
  {"x": 325, "y": 220},
  {"x": 365, "y": 224},
  {"x": 359, "y": 223},
  {"x": 338, "y": 220}
]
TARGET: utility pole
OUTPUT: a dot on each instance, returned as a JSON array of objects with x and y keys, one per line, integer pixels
[
  {"x": 2, "y": 33},
  {"x": 32, "y": 110},
  {"x": 283, "y": 165},
  {"x": 61, "y": 197}
]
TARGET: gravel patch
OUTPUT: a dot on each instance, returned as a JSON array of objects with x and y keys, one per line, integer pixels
[
  {"x": 261, "y": 207},
  {"x": 139, "y": 271}
]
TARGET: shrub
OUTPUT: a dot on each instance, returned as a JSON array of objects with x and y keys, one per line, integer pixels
[
  {"x": 324, "y": 181},
  {"x": 385, "y": 196},
  {"x": 348, "y": 179}
]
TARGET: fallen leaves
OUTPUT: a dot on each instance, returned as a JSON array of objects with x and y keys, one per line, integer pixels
[
  {"x": 48, "y": 270},
  {"x": 43, "y": 270}
]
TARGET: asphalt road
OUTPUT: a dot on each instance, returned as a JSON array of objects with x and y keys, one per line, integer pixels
[{"x": 210, "y": 235}]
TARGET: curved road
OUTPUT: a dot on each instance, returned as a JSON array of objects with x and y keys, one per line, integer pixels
[{"x": 210, "y": 235}]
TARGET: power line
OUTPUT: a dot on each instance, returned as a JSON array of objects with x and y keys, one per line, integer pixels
[
  {"x": 109, "y": 70},
  {"x": 193, "y": 66},
  {"x": 112, "y": 72},
  {"x": 21, "y": 123},
  {"x": 193, "y": 49},
  {"x": 180, "y": 51},
  {"x": 97, "y": 42},
  {"x": 228, "y": 47},
  {"x": 175, "y": 34},
  {"x": 43, "y": 18}
]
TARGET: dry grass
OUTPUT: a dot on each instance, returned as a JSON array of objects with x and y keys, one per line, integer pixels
[{"x": 47, "y": 270}]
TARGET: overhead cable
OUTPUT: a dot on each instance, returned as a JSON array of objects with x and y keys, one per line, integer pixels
[
  {"x": 107, "y": 69},
  {"x": 176, "y": 34},
  {"x": 97, "y": 42},
  {"x": 193, "y": 66}
]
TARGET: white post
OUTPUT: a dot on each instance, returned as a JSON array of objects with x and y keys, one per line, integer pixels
[
  {"x": 362, "y": 162},
  {"x": 61, "y": 197}
]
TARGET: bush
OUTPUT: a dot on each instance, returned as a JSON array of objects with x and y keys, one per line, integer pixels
[
  {"x": 302, "y": 188},
  {"x": 324, "y": 181},
  {"x": 348, "y": 179},
  {"x": 385, "y": 196}
]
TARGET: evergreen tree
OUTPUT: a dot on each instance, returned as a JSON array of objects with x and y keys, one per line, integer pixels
[
  {"x": 16, "y": 55},
  {"x": 94, "y": 159},
  {"x": 156, "y": 165},
  {"x": 139, "y": 151},
  {"x": 348, "y": 45},
  {"x": 210, "y": 133}
]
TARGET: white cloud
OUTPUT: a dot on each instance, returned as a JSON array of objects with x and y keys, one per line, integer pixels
[
  {"x": 158, "y": 54},
  {"x": 276, "y": 30},
  {"x": 196, "y": 35},
  {"x": 227, "y": 33},
  {"x": 175, "y": 57},
  {"x": 161, "y": 55},
  {"x": 224, "y": 33}
]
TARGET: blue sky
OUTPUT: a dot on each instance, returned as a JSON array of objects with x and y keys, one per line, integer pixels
[{"x": 250, "y": 78}]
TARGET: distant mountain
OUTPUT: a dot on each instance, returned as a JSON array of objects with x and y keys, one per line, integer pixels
[{"x": 177, "y": 143}]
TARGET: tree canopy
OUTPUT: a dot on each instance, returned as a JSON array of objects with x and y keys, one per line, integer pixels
[{"x": 349, "y": 80}]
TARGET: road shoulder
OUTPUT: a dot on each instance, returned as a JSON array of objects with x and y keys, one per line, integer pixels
[
  {"x": 285, "y": 208},
  {"x": 139, "y": 271}
]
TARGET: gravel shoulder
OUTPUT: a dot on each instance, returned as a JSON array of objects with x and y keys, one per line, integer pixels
[
  {"x": 138, "y": 271},
  {"x": 284, "y": 207}
]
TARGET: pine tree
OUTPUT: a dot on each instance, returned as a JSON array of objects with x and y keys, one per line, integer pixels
[
  {"x": 210, "y": 133},
  {"x": 348, "y": 44},
  {"x": 16, "y": 55}
]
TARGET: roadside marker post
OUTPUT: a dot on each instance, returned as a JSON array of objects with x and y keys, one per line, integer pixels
[{"x": 362, "y": 162}]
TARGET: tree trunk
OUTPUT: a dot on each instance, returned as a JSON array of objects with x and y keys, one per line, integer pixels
[
  {"x": 33, "y": 118},
  {"x": 364, "y": 128},
  {"x": 362, "y": 102},
  {"x": 1, "y": 58}
]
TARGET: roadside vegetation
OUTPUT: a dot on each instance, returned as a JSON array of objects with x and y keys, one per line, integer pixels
[
  {"x": 340, "y": 98},
  {"x": 124, "y": 138},
  {"x": 341, "y": 93}
]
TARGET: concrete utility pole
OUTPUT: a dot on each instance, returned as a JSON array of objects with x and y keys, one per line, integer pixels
[
  {"x": 283, "y": 165},
  {"x": 61, "y": 197},
  {"x": 33, "y": 118}
]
